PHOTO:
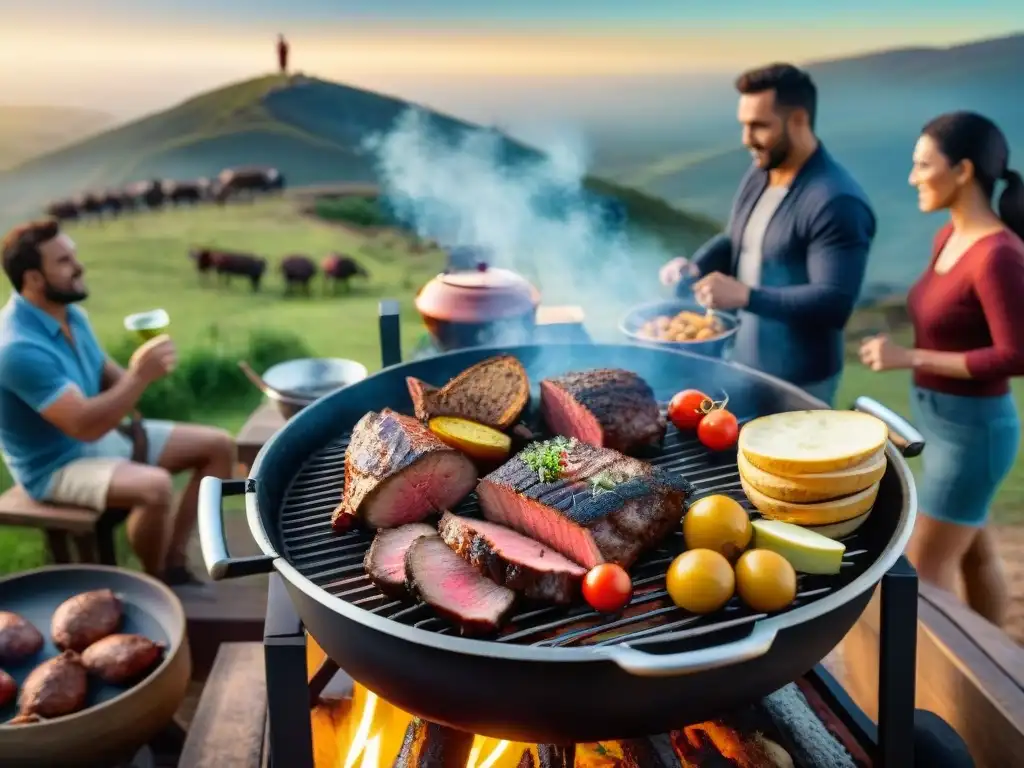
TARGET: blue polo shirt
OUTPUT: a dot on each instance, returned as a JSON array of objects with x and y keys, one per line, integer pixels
[{"x": 37, "y": 365}]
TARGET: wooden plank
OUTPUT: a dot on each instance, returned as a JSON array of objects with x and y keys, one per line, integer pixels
[
  {"x": 229, "y": 725},
  {"x": 18, "y": 508},
  {"x": 262, "y": 425},
  {"x": 956, "y": 679},
  {"x": 221, "y": 612}
]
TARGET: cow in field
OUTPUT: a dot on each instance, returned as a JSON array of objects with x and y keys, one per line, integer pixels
[
  {"x": 191, "y": 192},
  {"x": 228, "y": 264},
  {"x": 338, "y": 268},
  {"x": 90, "y": 204},
  {"x": 234, "y": 182},
  {"x": 152, "y": 195},
  {"x": 63, "y": 210},
  {"x": 112, "y": 202},
  {"x": 298, "y": 272}
]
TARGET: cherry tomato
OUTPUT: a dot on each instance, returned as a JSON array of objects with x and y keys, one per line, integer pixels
[
  {"x": 607, "y": 587},
  {"x": 687, "y": 408},
  {"x": 718, "y": 430}
]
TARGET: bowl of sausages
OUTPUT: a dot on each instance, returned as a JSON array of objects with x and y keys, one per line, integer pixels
[
  {"x": 681, "y": 324},
  {"x": 94, "y": 662}
]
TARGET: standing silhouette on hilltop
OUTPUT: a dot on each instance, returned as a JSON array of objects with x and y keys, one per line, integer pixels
[{"x": 282, "y": 54}]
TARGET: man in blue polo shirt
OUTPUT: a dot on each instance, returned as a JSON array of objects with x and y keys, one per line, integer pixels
[{"x": 63, "y": 402}]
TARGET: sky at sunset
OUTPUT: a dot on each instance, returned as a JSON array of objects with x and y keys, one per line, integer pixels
[{"x": 132, "y": 56}]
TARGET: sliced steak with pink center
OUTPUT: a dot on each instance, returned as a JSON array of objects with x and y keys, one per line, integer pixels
[
  {"x": 398, "y": 472},
  {"x": 603, "y": 508},
  {"x": 607, "y": 407},
  {"x": 511, "y": 559},
  {"x": 454, "y": 588},
  {"x": 385, "y": 559}
]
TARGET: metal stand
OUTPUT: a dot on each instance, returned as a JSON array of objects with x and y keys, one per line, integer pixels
[
  {"x": 390, "y": 333},
  {"x": 284, "y": 648},
  {"x": 897, "y": 666}
]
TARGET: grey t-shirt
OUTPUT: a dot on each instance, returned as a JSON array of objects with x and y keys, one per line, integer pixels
[{"x": 748, "y": 268}]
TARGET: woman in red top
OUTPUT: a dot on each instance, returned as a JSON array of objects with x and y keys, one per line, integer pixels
[{"x": 967, "y": 311}]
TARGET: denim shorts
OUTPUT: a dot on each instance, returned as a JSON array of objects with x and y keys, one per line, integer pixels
[{"x": 971, "y": 444}]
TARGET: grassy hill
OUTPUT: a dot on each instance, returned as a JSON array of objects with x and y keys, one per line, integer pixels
[
  {"x": 312, "y": 129},
  {"x": 26, "y": 132}
]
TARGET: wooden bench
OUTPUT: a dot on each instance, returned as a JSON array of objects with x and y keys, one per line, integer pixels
[
  {"x": 229, "y": 725},
  {"x": 91, "y": 532}
]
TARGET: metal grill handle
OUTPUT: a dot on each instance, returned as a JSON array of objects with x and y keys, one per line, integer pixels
[
  {"x": 901, "y": 432},
  {"x": 642, "y": 664},
  {"x": 212, "y": 539}
]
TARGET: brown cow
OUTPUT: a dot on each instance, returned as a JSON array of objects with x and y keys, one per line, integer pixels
[
  {"x": 90, "y": 204},
  {"x": 298, "y": 271},
  {"x": 227, "y": 265},
  {"x": 62, "y": 210},
  {"x": 237, "y": 181},
  {"x": 191, "y": 192},
  {"x": 337, "y": 267}
]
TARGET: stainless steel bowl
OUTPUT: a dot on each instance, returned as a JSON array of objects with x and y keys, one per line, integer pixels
[
  {"x": 633, "y": 320},
  {"x": 294, "y": 384}
]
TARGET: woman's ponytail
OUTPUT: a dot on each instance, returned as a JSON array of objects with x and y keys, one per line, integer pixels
[{"x": 1011, "y": 203}]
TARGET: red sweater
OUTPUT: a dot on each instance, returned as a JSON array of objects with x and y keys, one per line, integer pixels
[{"x": 976, "y": 307}]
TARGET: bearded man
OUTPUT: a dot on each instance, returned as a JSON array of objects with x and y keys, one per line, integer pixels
[
  {"x": 63, "y": 402},
  {"x": 794, "y": 253}
]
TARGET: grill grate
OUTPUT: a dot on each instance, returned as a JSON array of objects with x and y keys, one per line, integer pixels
[{"x": 334, "y": 561}]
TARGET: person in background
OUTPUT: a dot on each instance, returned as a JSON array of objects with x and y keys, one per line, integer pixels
[
  {"x": 282, "y": 54},
  {"x": 793, "y": 256},
  {"x": 62, "y": 401},
  {"x": 967, "y": 310}
]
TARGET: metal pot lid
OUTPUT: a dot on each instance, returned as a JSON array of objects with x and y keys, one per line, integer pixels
[{"x": 479, "y": 295}]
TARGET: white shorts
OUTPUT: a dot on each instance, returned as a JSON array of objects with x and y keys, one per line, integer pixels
[{"x": 84, "y": 482}]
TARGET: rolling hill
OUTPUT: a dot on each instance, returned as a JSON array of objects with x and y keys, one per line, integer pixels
[
  {"x": 312, "y": 129},
  {"x": 26, "y": 132}
]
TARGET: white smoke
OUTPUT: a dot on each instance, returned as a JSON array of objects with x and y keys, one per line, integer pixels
[{"x": 459, "y": 189}]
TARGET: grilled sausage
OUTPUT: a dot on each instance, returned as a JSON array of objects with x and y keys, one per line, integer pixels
[
  {"x": 18, "y": 638},
  {"x": 55, "y": 688},
  {"x": 83, "y": 619},
  {"x": 119, "y": 659},
  {"x": 8, "y": 689}
]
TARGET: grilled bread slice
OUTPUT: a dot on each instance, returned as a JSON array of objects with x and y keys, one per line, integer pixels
[{"x": 493, "y": 392}]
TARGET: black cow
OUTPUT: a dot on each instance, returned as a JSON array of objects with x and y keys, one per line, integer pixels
[
  {"x": 191, "y": 192},
  {"x": 227, "y": 265},
  {"x": 152, "y": 194},
  {"x": 112, "y": 202},
  {"x": 338, "y": 268},
  {"x": 233, "y": 182},
  {"x": 63, "y": 210},
  {"x": 90, "y": 204},
  {"x": 298, "y": 271}
]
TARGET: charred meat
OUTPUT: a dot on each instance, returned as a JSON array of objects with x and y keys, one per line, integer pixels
[
  {"x": 19, "y": 639},
  {"x": 454, "y": 588},
  {"x": 55, "y": 688},
  {"x": 398, "y": 472},
  {"x": 83, "y": 619},
  {"x": 513, "y": 560},
  {"x": 8, "y": 689},
  {"x": 606, "y": 407},
  {"x": 429, "y": 745},
  {"x": 385, "y": 559},
  {"x": 121, "y": 659},
  {"x": 492, "y": 392},
  {"x": 592, "y": 505}
]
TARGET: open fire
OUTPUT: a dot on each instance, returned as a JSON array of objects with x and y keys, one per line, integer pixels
[{"x": 357, "y": 729}]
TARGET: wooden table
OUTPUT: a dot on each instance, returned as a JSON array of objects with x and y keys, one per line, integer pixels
[{"x": 257, "y": 430}]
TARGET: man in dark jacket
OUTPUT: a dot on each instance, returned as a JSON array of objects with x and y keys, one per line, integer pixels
[
  {"x": 282, "y": 54},
  {"x": 794, "y": 253}
]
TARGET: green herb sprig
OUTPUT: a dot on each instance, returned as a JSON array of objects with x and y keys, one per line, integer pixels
[{"x": 548, "y": 459}]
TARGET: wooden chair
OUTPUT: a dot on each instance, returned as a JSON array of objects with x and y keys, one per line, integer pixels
[{"x": 91, "y": 532}]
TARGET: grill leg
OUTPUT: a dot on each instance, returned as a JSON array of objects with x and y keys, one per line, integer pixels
[
  {"x": 284, "y": 648},
  {"x": 897, "y": 666},
  {"x": 390, "y": 333}
]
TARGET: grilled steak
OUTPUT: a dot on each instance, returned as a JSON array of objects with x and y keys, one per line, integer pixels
[
  {"x": 19, "y": 639},
  {"x": 602, "y": 506},
  {"x": 454, "y": 588},
  {"x": 397, "y": 472},
  {"x": 492, "y": 392},
  {"x": 429, "y": 745},
  {"x": 385, "y": 559},
  {"x": 511, "y": 559},
  {"x": 607, "y": 407}
]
